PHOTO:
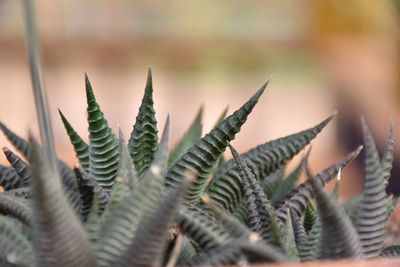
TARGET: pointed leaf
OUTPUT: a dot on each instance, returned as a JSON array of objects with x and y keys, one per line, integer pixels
[
  {"x": 298, "y": 199},
  {"x": 150, "y": 242},
  {"x": 80, "y": 147},
  {"x": 372, "y": 209},
  {"x": 20, "y": 167},
  {"x": 339, "y": 238},
  {"x": 59, "y": 238},
  {"x": 262, "y": 160},
  {"x": 204, "y": 154},
  {"x": 103, "y": 147},
  {"x": 144, "y": 141}
]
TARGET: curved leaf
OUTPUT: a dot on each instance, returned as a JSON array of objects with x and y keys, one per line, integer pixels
[
  {"x": 201, "y": 228},
  {"x": 310, "y": 249},
  {"x": 17, "y": 208},
  {"x": 144, "y": 141},
  {"x": 260, "y": 211},
  {"x": 150, "y": 242},
  {"x": 298, "y": 199},
  {"x": 67, "y": 175},
  {"x": 59, "y": 239},
  {"x": 339, "y": 238},
  {"x": 103, "y": 146},
  {"x": 202, "y": 156},
  {"x": 372, "y": 209},
  {"x": 262, "y": 160}
]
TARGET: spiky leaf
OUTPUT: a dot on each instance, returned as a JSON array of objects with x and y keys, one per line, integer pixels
[
  {"x": 144, "y": 141},
  {"x": 372, "y": 209},
  {"x": 262, "y": 160},
  {"x": 103, "y": 146},
  {"x": 80, "y": 147},
  {"x": 59, "y": 239},
  {"x": 202, "y": 156}
]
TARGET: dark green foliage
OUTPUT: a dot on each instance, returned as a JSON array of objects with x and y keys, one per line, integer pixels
[
  {"x": 144, "y": 141},
  {"x": 20, "y": 167},
  {"x": 80, "y": 147},
  {"x": 9, "y": 179},
  {"x": 391, "y": 251},
  {"x": 103, "y": 147},
  {"x": 339, "y": 238},
  {"x": 372, "y": 209},
  {"x": 263, "y": 160},
  {"x": 133, "y": 205},
  {"x": 310, "y": 217},
  {"x": 58, "y": 235},
  {"x": 203, "y": 155},
  {"x": 298, "y": 199}
]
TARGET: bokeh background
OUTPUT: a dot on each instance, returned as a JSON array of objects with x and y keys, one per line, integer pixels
[{"x": 324, "y": 55}]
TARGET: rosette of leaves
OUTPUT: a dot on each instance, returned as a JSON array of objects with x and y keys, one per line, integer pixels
[{"x": 128, "y": 208}]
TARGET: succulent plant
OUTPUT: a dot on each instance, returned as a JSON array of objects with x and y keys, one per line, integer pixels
[
  {"x": 142, "y": 204},
  {"x": 131, "y": 205}
]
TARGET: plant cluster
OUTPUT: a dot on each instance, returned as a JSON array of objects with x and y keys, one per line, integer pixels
[{"x": 141, "y": 204}]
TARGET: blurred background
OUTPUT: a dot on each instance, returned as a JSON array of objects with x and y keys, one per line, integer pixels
[{"x": 324, "y": 55}]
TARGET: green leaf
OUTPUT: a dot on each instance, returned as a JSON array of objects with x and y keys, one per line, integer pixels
[
  {"x": 67, "y": 175},
  {"x": 59, "y": 238},
  {"x": 260, "y": 211},
  {"x": 90, "y": 189},
  {"x": 288, "y": 184},
  {"x": 372, "y": 209},
  {"x": 202, "y": 156},
  {"x": 298, "y": 199},
  {"x": 262, "y": 160},
  {"x": 189, "y": 138},
  {"x": 310, "y": 217},
  {"x": 80, "y": 147},
  {"x": 391, "y": 251},
  {"x": 150, "y": 242},
  {"x": 19, "y": 143},
  {"x": 125, "y": 212},
  {"x": 288, "y": 240},
  {"x": 272, "y": 181},
  {"x": 144, "y": 141},
  {"x": 9, "y": 179},
  {"x": 20, "y": 167},
  {"x": 299, "y": 232},
  {"x": 310, "y": 249},
  {"x": 339, "y": 239},
  {"x": 16, "y": 207},
  {"x": 103, "y": 147},
  {"x": 202, "y": 229},
  {"x": 186, "y": 253}
]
